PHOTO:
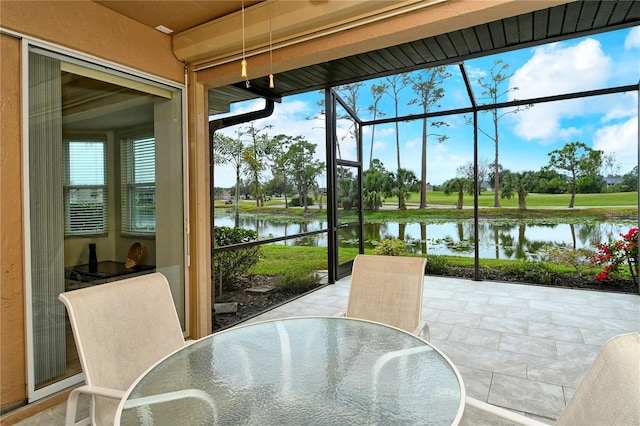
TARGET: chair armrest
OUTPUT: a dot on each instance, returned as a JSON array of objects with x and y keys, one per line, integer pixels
[
  {"x": 173, "y": 396},
  {"x": 72, "y": 401},
  {"x": 170, "y": 396},
  {"x": 503, "y": 413},
  {"x": 100, "y": 391}
]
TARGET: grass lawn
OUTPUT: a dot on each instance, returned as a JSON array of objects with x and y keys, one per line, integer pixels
[
  {"x": 534, "y": 201},
  {"x": 278, "y": 259}
]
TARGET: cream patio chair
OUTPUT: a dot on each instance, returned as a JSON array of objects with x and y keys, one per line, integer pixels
[
  {"x": 388, "y": 289},
  {"x": 121, "y": 329},
  {"x": 609, "y": 393}
]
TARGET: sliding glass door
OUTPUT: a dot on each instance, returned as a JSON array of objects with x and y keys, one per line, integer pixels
[{"x": 104, "y": 185}]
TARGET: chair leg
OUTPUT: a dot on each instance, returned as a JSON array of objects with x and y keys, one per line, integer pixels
[
  {"x": 426, "y": 334},
  {"x": 72, "y": 408}
]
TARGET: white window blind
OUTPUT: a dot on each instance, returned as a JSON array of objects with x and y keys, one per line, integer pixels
[
  {"x": 85, "y": 187},
  {"x": 138, "y": 186}
]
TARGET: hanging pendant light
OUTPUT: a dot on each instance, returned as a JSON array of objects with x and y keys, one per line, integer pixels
[
  {"x": 243, "y": 72},
  {"x": 271, "y": 84}
]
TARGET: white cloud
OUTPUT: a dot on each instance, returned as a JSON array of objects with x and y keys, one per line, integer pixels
[
  {"x": 555, "y": 69},
  {"x": 621, "y": 106},
  {"x": 443, "y": 163},
  {"x": 475, "y": 73},
  {"x": 289, "y": 117},
  {"x": 619, "y": 139},
  {"x": 632, "y": 40},
  {"x": 568, "y": 133},
  {"x": 414, "y": 142}
]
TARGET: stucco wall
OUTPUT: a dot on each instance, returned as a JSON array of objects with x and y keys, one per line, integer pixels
[
  {"x": 89, "y": 28},
  {"x": 12, "y": 347}
]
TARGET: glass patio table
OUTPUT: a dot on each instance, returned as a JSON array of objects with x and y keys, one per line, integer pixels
[{"x": 296, "y": 371}]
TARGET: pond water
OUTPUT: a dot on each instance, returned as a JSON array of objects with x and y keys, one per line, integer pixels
[{"x": 498, "y": 240}]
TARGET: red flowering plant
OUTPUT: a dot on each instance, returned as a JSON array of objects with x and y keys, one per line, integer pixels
[{"x": 618, "y": 254}]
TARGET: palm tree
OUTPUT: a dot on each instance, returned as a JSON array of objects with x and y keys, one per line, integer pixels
[
  {"x": 403, "y": 182},
  {"x": 459, "y": 185},
  {"x": 376, "y": 184},
  {"x": 520, "y": 183}
]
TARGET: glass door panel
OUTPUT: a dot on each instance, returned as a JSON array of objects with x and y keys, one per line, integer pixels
[
  {"x": 344, "y": 131},
  {"x": 348, "y": 217},
  {"x": 105, "y": 176}
]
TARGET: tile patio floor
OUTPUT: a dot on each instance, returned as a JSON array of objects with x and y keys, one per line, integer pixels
[{"x": 522, "y": 347}]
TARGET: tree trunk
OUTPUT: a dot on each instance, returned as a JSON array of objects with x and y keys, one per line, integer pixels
[
  {"x": 522, "y": 201},
  {"x": 402, "y": 204},
  {"x": 496, "y": 170},
  {"x": 304, "y": 196},
  {"x": 286, "y": 202},
  {"x": 423, "y": 173},
  {"x": 460, "y": 199},
  {"x": 237, "y": 209},
  {"x": 573, "y": 197},
  {"x": 373, "y": 132}
]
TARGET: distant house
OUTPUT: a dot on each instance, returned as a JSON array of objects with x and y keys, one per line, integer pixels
[{"x": 611, "y": 181}]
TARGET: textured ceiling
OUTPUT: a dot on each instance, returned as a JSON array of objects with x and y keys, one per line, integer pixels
[{"x": 177, "y": 15}]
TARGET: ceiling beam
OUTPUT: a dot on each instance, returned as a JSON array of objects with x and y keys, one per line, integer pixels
[{"x": 289, "y": 22}]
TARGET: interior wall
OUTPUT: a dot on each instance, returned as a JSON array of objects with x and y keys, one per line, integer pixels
[{"x": 12, "y": 326}]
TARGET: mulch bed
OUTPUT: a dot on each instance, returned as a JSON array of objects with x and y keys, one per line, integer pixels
[{"x": 249, "y": 304}]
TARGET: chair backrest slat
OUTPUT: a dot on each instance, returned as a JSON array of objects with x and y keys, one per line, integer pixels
[
  {"x": 387, "y": 289},
  {"x": 609, "y": 393},
  {"x": 121, "y": 329}
]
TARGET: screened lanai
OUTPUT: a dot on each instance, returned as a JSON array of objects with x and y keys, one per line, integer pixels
[{"x": 452, "y": 50}]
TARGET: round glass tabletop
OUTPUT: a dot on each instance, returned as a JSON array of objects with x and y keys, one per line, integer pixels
[{"x": 296, "y": 371}]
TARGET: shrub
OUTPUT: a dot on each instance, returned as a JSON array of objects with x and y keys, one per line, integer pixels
[
  {"x": 391, "y": 247},
  {"x": 436, "y": 265},
  {"x": 230, "y": 265},
  {"x": 526, "y": 271},
  {"x": 295, "y": 202},
  {"x": 618, "y": 254},
  {"x": 580, "y": 259},
  {"x": 296, "y": 282}
]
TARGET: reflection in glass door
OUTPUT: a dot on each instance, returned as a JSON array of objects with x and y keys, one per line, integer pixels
[{"x": 95, "y": 142}]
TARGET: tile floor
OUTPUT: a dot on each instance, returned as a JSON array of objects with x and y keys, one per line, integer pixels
[{"x": 522, "y": 347}]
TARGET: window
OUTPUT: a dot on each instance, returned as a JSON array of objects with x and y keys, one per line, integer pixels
[
  {"x": 138, "y": 186},
  {"x": 85, "y": 187}
]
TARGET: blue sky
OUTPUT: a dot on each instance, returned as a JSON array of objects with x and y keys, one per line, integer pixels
[{"x": 608, "y": 123}]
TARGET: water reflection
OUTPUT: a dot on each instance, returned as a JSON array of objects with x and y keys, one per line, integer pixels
[{"x": 497, "y": 240}]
